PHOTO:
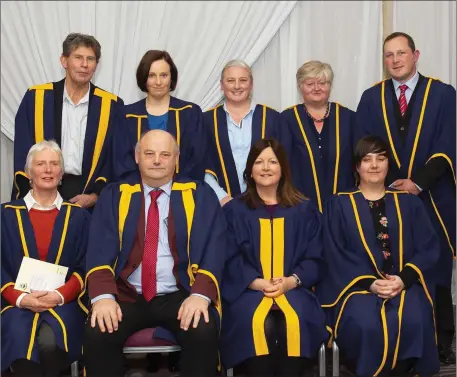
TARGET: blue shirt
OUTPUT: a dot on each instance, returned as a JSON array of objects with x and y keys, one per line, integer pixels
[
  {"x": 411, "y": 84},
  {"x": 158, "y": 122},
  {"x": 240, "y": 137}
]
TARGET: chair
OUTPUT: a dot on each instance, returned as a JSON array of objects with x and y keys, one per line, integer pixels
[{"x": 335, "y": 359}]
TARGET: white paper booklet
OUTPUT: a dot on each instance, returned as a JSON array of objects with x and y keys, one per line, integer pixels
[{"x": 36, "y": 275}]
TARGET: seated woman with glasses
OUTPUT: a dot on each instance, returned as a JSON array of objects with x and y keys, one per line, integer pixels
[
  {"x": 272, "y": 322},
  {"x": 381, "y": 249},
  {"x": 42, "y": 330}
]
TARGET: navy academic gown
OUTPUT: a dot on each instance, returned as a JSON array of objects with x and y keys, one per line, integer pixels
[
  {"x": 310, "y": 175},
  {"x": 199, "y": 224},
  {"x": 39, "y": 118},
  {"x": 431, "y": 136},
  {"x": 264, "y": 247},
  {"x": 184, "y": 123},
  {"x": 266, "y": 123},
  {"x": 67, "y": 248},
  {"x": 366, "y": 327}
]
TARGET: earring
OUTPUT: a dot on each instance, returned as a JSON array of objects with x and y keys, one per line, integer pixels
[
  {"x": 30, "y": 182},
  {"x": 60, "y": 183}
]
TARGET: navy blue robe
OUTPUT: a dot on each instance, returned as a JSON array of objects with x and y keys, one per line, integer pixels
[
  {"x": 67, "y": 248},
  {"x": 310, "y": 175},
  {"x": 260, "y": 247},
  {"x": 39, "y": 118},
  {"x": 266, "y": 123},
  {"x": 431, "y": 135},
  {"x": 199, "y": 224},
  {"x": 366, "y": 327},
  {"x": 184, "y": 123}
]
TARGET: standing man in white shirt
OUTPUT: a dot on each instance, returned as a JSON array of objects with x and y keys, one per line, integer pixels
[
  {"x": 79, "y": 116},
  {"x": 416, "y": 116}
]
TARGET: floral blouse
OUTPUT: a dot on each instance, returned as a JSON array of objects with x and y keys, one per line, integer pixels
[{"x": 380, "y": 222}]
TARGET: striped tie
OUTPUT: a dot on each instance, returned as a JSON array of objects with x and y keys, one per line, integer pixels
[{"x": 402, "y": 99}]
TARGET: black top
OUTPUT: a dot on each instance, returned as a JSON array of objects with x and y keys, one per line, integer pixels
[{"x": 322, "y": 138}]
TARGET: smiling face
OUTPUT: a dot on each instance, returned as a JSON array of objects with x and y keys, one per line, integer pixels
[
  {"x": 373, "y": 168},
  {"x": 159, "y": 79},
  {"x": 236, "y": 84},
  {"x": 266, "y": 171},
  {"x": 45, "y": 170},
  {"x": 399, "y": 59},
  {"x": 80, "y": 65},
  {"x": 315, "y": 90}
]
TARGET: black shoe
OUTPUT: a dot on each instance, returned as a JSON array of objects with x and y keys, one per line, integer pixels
[{"x": 447, "y": 355}]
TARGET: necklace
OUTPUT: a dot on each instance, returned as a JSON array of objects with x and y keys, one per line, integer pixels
[{"x": 327, "y": 112}]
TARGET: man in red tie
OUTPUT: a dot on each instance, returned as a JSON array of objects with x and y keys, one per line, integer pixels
[
  {"x": 416, "y": 115},
  {"x": 155, "y": 258}
]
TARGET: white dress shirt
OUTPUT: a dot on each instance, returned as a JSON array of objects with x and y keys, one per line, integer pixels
[
  {"x": 74, "y": 122},
  {"x": 30, "y": 203}
]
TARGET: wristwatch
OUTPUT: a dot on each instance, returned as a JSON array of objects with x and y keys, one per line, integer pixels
[{"x": 297, "y": 280}]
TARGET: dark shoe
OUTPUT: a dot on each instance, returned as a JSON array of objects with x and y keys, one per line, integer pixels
[{"x": 447, "y": 355}]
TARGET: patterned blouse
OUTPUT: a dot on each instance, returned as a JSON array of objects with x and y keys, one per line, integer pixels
[{"x": 378, "y": 214}]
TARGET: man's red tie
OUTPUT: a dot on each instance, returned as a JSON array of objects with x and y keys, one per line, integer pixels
[
  {"x": 402, "y": 99},
  {"x": 151, "y": 243}
]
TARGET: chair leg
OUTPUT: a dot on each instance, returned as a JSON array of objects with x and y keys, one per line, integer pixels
[
  {"x": 230, "y": 372},
  {"x": 75, "y": 369},
  {"x": 336, "y": 359},
  {"x": 322, "y": 361}
]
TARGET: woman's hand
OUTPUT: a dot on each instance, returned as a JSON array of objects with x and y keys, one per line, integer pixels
[
  {"x": 388, "y": 288},
  {"x": 260, "y": 284},
  {"x": 280, "y": 286}
]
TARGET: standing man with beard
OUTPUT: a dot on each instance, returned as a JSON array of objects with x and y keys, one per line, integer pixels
[
  {"x": 79, "y": 116},
  {"x": 416, "y": 115}
]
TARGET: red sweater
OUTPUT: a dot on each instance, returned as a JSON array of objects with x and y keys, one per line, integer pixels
[{"x": 43, "y": 225}]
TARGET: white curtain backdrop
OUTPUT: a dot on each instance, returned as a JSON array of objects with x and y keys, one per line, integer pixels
[{"x": 345, "y": 34}]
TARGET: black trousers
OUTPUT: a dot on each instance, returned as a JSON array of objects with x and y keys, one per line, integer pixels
[
  {"x": 445, "y": 326},
  {"x": 52, "y": 359},
  {"x": 199, "y": 356},
  {"x": 277, "y": 363}
]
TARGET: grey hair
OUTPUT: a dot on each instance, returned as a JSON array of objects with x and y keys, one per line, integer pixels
[
  {"x": 75, "y": 40},
  {"x": 38, "y": 147},
  {"x": 237, "y": 63},
  {"x": 175, "y": 143}
]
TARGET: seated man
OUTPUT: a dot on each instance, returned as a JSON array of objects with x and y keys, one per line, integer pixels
[{"x": 155, "y": 257}]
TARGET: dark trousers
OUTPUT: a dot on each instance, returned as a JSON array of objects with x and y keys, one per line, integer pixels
[
  {"x": 199, "y": 356},
  {"x": 277, "y": 363},
  {"x": 52, "y": 359},
  {"x": 444, "y": 312}
]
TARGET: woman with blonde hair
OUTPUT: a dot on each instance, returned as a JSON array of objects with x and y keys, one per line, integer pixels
[
  {"x": 42, "y": 330},
  {"x": 319, "y": 136}
]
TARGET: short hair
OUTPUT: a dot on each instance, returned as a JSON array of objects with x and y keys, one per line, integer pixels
[
  {"x": 397, "y": 34},
  {"x": 142, "y": 72},
  {"x": 137, "y": 146},
  {"x": 314, "y": 69},
  {"x": 287, "y": 194},
  {"x": 365, "y": 145},
  {"x": 237, "y": 63},
  {"x": 38, "y": 147},
  {"x": 75, "y": 40}
]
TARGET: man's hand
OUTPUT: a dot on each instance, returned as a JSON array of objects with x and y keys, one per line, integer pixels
[
  {"x": 193, "y": 307},
  {"x": 85, "y": 200},
  {"x": 260, "y": 284},
  {"x": 106, "y": 312},
  {"x": 406, "y": 185},
  {"x": 32, "y": 302},
  {"x": 225, "y": 200},
  {"x": 51, "y": 298},
  {"x": 280, "y": 286}
]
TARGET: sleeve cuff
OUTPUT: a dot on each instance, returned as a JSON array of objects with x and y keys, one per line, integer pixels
[
  {"x": 408, "y": 275},
  {"x": 19, "y": 299},
  {"x": 95, "y": 299},
  {"x": 61, "y": 297},
  {"x": 202, "y": 296},
  {"x": 365, "y": 284}
]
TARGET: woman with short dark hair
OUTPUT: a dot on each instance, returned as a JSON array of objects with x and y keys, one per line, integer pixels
[
  {"x": 157, "y": 76},
  {"x": 272, "y": 324},
  {"x": 380, "y": 248}
]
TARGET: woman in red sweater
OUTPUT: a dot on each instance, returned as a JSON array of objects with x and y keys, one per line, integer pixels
[{"x": 42, "y": 330}]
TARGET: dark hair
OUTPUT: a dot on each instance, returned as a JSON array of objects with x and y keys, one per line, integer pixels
[
  {"x": 288, "y": 195},
  {"x": 397, "y": 34},
  {"x": 75, "y": 40},
  {"x": 148, "y": 58},
  {"x": 366, "y": 145}
]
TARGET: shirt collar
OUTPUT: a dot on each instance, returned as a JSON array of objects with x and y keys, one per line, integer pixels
[
  {"x": 411, "y": 83},
  {"x": 166, "y": 188},
  {"x": 251, "y": 110},
  {"x": 66, "y": 96},
  {"x": 30, "y": 202}
]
